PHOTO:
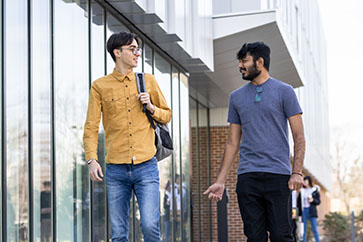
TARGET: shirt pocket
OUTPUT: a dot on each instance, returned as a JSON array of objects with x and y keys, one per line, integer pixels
[{"x": 112, "y": 105}]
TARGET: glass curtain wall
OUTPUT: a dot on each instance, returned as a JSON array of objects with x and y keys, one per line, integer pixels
[
  {"x": 71, "y": 81},
  {"x": 16, "y": 118},
  {"x": 41, "y": 113},
  {"x": 66, "y": 52}
]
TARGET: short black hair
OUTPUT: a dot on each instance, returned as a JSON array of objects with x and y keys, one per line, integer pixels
[
  {"x": 256, "y": 50},
  {"x": 117, "y": 40},
  {"x": 309, "y": 180}
]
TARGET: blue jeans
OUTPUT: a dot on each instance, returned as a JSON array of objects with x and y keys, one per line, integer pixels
[
  {"x": 314, "y": 224},
  {"x": 144, "y": 180}
]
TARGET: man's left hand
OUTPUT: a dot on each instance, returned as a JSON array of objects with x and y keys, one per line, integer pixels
[{"x": 295, "y": 182}]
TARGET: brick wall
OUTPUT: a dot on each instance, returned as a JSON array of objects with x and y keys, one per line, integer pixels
[{"x": 218, "y": 137}]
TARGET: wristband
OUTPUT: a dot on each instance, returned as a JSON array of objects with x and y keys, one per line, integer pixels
[
  {"x": 90, "y": 161},
  {"x": 298, "y": 173}
]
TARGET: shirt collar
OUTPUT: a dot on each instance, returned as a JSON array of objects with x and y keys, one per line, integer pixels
[{"x": 120, "y": 77}]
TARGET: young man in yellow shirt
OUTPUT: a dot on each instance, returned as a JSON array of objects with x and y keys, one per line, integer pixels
[{"x": 130, "y": 160}]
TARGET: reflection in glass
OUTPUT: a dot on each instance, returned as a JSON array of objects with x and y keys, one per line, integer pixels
[
  {"x": 41, "y": 122},
  {"x": 194, "y": 163},
  {"x": 204, "y": 170},
  {"x": 148, "y": 59},
  {"x": 16, "y": 69},
  {"x": 200, "y": 164},
  {"x": 97, "y": 41},
  {"x": 163, "y": 77},
  {"x": 71, "y": 95},
  {"x": 98, "y": 70},
  {"x": 184, "y": 136},
  {"x": 176, "y": 141}
]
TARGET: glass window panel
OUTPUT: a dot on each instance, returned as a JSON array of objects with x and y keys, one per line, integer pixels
[
  {"x": 185, "y": 177},
  {"x": 200, "y": 179},
  {"x": 165, "y": 167},
  {"x": 98, "y": 70},
  {"x": 16, "y": 79},
  {"x": 97, "y": 41},
  {"x": 113, "y": 26},
  {"x": 41, "y": 121},
  {"x": 71, "y": 96},
  {"x": 194, "y": 160},
  {"x": 203, "y": 155},
  {"x": 176, "y": 141},
  {"x": 148, "y": 59},
  {"x": 163, "y": 77}
]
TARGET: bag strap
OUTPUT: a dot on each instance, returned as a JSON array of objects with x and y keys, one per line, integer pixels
[{"x": 140, "y": 81}]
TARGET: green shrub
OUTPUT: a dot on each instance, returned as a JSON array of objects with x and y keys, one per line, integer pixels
[{"x": 337, "y": 227}]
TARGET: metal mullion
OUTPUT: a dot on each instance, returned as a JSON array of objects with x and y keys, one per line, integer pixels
[
  {"x": 181, "y": 164},
  {"x": 105, "y": 72},
  {"x": 90, "y": 212},
  {"x": 53, "y": 126},
  {"x": 143, "y": 57},
  {"x": 3, "y": 133},
  {"x": 198, "y": 172},
  {"x": 172, "y": 164},
  {"x": 75, "y": 214},
  {"x": 30, "y": 128},
  {"x": 209, "y": 173}
]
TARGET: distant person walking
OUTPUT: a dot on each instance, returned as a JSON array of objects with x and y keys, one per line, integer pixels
[{"x": 308, "y": 200}]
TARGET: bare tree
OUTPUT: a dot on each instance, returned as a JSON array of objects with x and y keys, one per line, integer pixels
[{"x": 348, "y": 179}]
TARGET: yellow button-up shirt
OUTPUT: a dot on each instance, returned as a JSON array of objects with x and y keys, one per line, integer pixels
[{"x": 129, "y": 135}]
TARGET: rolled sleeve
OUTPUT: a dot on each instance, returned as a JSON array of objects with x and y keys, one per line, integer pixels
[{"x": 162, "y": 112}]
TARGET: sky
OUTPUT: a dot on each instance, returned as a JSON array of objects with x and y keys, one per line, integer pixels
[{"x": 343, "y": 27}]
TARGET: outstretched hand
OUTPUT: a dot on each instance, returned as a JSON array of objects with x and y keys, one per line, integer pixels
[{"x": 215, "y": 192}]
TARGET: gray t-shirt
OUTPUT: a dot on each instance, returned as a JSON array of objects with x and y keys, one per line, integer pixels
[{"x": 265, "y": 138}]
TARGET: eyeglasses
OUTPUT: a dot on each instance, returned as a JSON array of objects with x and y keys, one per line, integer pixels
[
  {"x": 258, "y": 97},
  {"x": 134, "y": 50}
]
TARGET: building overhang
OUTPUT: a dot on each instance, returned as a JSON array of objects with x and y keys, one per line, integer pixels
[{"x": 230, "y": 32}]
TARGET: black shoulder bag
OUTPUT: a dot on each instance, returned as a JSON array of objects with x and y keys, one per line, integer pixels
[{"x": 163, "y": 141}]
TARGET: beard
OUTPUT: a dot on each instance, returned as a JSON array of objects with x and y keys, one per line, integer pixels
[{"x": 252, "y": 73}]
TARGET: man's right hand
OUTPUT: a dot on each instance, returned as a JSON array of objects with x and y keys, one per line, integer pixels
[
  {"x": 215, "y": 192},
  {"x": 95, "y": 171}
]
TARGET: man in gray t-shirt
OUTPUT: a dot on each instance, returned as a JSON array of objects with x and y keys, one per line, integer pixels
[{"x": 259, "y": 113}]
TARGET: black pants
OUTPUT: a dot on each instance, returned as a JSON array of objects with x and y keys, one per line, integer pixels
[{"x": 264, "y": 201}]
